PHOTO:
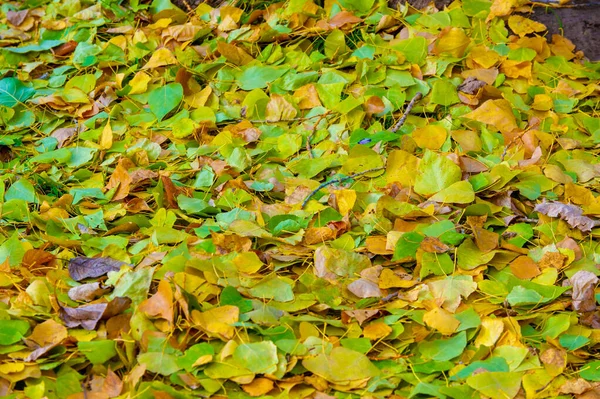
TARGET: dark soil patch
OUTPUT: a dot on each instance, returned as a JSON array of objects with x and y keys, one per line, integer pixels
[{"x": 579, "y": 22}]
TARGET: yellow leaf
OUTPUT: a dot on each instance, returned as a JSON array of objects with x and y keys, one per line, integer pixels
[
  {"x": 523, "y": 26},
  {"x": 542, "y": 102},
  {"x": 139, "y": 83},
  {"x": 234, "y": 54},
  {"x": 161, "y": 23},
  {"x": 345, "y": 200},
  {"x": 198, "y": 98},
  {"x": 497, "y": 113},
  {"x": 389, "y": 279},
  {"x": 516, "y": 69},
  {"x": 554, "y": 360},
  {"x": 106, "y": 138},
  {"x": 401, "y": 168},
  {"x": 247, "y": 262},
  {"x": 258, "y": 387},
  {"x": 376, "y": 330},
  {"x": 430, "y": 136},
  {"x": 501, "y": 8},
  {"x": 217, "y": 322},
  {"x": 452, "y": 41},
  {"x": 441, "y": 320},
  {"x": 307, "y": 97},
  {"x": 491, "y": 330},
  {"x": 160, "y": 57},
  {"x": 460, "y": 192},
  {"x": 279, "y": 108},
  {"x": 482, "y": 57}
]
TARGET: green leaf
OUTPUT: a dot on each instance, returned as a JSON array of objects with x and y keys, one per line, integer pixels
[
  {"x": 13, "y": 92},
  {"x": 98, "y": 352},
  {"x": 159, "y": 362},
  {"x": 258, "y": 77},
  {"x": 458, "y": 193},
  {"x": 342, "y": 365},
  {"x": 443, "y": 92},
  {"x": 11, "y": 331},
  {"x": 443, "y": 349},
  {"x": 496, "y": 385},
  {"x": 41, "y": 46},
  {"x": 436, "y": 172},
  {"x": 258, "y": 357},
  {"x": 21, "y": 189},
  {"x": 164, "y": 99}
]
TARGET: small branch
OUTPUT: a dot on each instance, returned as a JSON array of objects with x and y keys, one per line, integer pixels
[
  {"x": 338, "y": 180},
  {"x": 312, "y": 133},
  {"x": 409, "y": 108}
]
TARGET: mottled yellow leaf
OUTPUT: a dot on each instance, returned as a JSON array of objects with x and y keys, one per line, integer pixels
[
  {"x": 160, "y": 57},
  {"x": 430, "y": 136},
  {"x": 491, "y": 330},
  {"x": 377, "y": 330},
  {"x": 441, "y": 320},
  {"x": 139, "y": 83},
  {"x": 497, "y": 113},
  {"x": 106, "y": 138}
]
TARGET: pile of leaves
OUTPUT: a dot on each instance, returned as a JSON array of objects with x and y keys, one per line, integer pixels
[{"x": 226, "y": 203}]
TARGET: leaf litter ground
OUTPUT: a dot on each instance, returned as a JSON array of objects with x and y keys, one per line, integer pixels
[{"x": 227, "y": 203}]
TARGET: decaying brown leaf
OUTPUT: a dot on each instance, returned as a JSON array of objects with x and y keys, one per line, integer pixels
[
  {"x": 82, "y": 267},
  {"x": 570, "y": 213},
  {"x": 584, "y": 295}
]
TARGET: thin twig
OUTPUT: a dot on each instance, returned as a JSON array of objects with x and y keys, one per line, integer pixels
[
  {"x": 335, "y": 181},
  {"x": 409, "y": 108},
  {"x": 312, "y": 133}
]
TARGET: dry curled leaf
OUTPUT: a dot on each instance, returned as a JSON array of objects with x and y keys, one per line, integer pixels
[
  {"x": 82, "y": 267},
  {"x": 570, "y": 213},
  {"x": 584, "y": 295}
]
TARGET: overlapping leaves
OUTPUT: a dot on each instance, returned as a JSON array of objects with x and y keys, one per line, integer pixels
[{"x": 224, "y": 203}]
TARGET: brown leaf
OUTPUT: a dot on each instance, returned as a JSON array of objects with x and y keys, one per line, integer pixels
[
  {"x": 471, "y": 85},
  {"x": 44, "y": 337},
  {"x": 120, "y": 180},
  {"x": 434, "y": 245},
  {"x": 88, "y": 316},
  {"x": 65, "y": 48},
  {"x": 361, "y": 315},
  {"x": 572, "y": 214},
  {"x": 16, "y": 18},
  {"x": 343, "y": 18},
  {"x": 364, "y": 288},
  {"x": 584, "y": 285},
  {"x": 524, "y": 267},
  {"x": 171, "y": 192},
  {"x": 86, "y": 292},
  {"x": 160, "y": 305},
  {"x": 374, "y": 105},
  {"x": 258, "y": 387},
  {"x": 83, "y": 267},
  {"x": 569, "y": 243},
  {"x": 63, "y": 135},
  {"x": 38, "y": 259}
]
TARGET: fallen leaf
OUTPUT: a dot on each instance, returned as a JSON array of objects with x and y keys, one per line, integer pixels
[
  {"x": 82, "y": 267},
  {"x": 572, "y": 214},
  {"x": 584, "y": 295}
]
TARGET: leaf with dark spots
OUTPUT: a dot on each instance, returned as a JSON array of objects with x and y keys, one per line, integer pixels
[{"x": 82, "y": 267}]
